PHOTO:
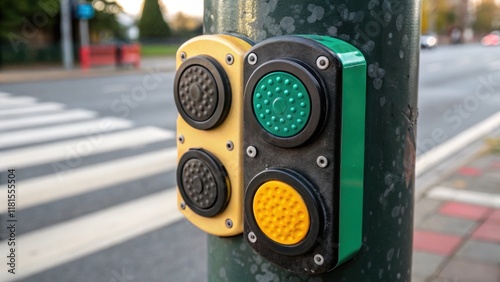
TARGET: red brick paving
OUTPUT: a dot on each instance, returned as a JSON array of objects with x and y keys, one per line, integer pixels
[
  {"x": 488, "y": 231},
  {"x": 495, "y": 215},
  {"x": 462, "y": 210},
  {"x": 469, "y": 171},
  {"x": 434, "y": 242}
]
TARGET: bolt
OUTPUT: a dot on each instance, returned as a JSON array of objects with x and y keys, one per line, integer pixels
[
  {"x": 318, "y": 259},
  {"x": 322, "y": 63},
  {"x": 322, "y": 161},
  {"x": 229, "y": 59},
  {"x": 229, "y": 223},
  {"x": 252, "y": 59},
  {"x": 252, "y": 238},
  {"x": 252, "y": 151},
  {"x": 229, "y": 145},
  {"x": 183, "y": 205},
  {"x": 183, "y": 56},
  {"x": 181, "y": 139}
]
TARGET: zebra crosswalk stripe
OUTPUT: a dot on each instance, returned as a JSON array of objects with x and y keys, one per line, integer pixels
[
  {"x": 82, "y": 147},
  {"x": 67, "y": 116},
  {"x": 29, "y": 136},
  {"x": 64, "y": 184},
  {"x": 37, "y": 108},
  {"x": 64, "y": 242}
]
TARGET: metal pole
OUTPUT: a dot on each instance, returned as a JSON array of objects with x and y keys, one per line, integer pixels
[
  {"x": 387, "y": 32},
  {"x": 66, "y": 34},
  {"x": 84, "y": 33}
]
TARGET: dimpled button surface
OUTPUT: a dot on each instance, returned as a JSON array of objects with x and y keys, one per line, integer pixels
[
  {"x": 281, "y": 213},
  {"x": 281, "y": 104},
  {"x": 199, "y": 184},
  {"x": 198, "y": 93}
]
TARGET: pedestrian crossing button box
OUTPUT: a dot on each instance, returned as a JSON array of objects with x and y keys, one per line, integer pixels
[
  {"x": 304, "y": 137},
  {"x": 208, "y": 93}
]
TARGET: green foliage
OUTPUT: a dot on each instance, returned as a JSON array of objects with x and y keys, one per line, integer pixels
[
  {"x": 486, "y": 14},
  {"x": 152, "y": 25},
  {"x": 104, "y": 25},
  {"x": 15, "y": 14}
]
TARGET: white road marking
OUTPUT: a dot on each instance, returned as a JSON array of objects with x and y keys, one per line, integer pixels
[
  {"x": 15, "y": 123},
  {"x": 442, "y": 151},
  {"x": 89, "y": 128},
  {"x": 55, "y": 245},
  {"x": 37, "y": 108},
  {"x": 82, "y": 147},
  {"x": 15, "y": 101},
  {"x": 471, "y": 197},
  {"x": 64, "y": 184}
]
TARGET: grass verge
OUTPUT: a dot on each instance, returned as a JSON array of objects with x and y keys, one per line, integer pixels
[{"x": 159, "y": 50}]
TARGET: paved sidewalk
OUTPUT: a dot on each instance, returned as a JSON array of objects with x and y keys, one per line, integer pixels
[
  {"x": 32, "y": 74},
  {"x": 457, "y": 225}
]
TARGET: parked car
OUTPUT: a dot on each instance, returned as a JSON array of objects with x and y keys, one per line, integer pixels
[
  {"x": 492, "y": 39},
  {"x": 428, "y": 41}
]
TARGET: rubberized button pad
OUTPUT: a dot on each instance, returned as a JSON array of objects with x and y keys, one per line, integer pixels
[
  {"x": 281, "y": 104},
  {"x": 281, "y": 213},
  {"x": 199, "y": 184},
  {"x": 198, "y": 93}
]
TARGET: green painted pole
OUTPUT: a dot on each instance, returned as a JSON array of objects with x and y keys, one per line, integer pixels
[{"x": 387, "y": 32}]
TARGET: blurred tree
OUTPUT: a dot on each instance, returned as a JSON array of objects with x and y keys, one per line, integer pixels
[
  {"x": 152, "y": 25},
  {"x": 438, "y": 16},
  {"x": 446, "y": 16},
  {"x": 22, "y": 24},
  {"x": 487, "y": 17},
  {"x": 185, "y": 25},
  {"x": 104, "y": 26},
  {"x": 428, "y": 16}
]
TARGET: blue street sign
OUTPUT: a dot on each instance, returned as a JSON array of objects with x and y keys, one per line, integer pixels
[{"x": 85, "y": 11}]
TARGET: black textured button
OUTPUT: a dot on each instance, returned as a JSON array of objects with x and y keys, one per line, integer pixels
[
  {"x": 199, "y": 185},
  {"x": 202, "y": 92},
  {"x": 203, "y": 182},
  {"x": 198, "y": 93}
]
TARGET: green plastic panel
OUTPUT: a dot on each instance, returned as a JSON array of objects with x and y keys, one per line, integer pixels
[{"x": 352, "y": 144}]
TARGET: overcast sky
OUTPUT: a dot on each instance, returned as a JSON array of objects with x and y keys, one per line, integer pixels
[{"x": 190, "y": 7}]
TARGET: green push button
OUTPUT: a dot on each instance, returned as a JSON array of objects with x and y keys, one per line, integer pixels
[{"x": 281, "y": 104}]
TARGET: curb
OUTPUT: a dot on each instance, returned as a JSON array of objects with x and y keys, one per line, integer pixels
[
  {"x": 445, "y": 158},
  {"x": 162, "y": 64}
]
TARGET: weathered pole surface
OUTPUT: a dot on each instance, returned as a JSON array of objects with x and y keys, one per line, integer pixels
[{"x": 387, "y": 32}]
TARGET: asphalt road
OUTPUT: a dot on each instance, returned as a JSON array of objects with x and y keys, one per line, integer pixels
[{"x": 95, "y": 160}]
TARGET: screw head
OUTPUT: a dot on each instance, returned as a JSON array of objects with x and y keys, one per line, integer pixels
[
  {"x": 183, "y": 56},
  {"x": 252, "y": 151},
  {"x": 183, "y": 205},
  {"x": 229, "y": 223},
  {"x": 322, "y": 63},
  {"x": 229, "y": 145},
  {"x": 252, "y": 59},
  {"x": 251, "y": 237},
  {"x": 229, "y": 59},
  {"x": 322, "y": 161},
  {"x": 318, "y": 259},
  {"x": 181, "y": 139}
]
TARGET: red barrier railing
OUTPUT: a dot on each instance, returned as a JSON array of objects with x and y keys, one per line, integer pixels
[{"x": 118, "y": 55}]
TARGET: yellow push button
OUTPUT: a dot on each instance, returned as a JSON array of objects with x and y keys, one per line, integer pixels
[{"x": 281, "y": 213}]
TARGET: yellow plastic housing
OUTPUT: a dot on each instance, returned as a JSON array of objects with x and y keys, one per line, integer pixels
[
  {"x": 281, "y": 213},
  {"x": 215, "y": 140}
]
